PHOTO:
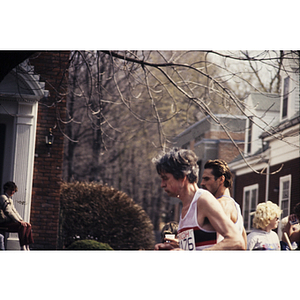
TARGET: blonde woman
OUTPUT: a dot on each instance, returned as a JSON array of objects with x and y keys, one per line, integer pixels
[{"x": 266, "y": 218}]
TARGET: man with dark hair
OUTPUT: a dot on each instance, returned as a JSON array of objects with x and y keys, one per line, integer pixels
[
  {"x": 218, "y": 168},
  {"x": 217, "y": 179},
  {"x": 12, "y": 219},
  {"x": 202, "y": 216}
]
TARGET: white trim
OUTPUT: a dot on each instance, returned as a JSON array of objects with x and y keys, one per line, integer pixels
[
  {"x": 281, "y": 181},
  {"x": 249, "y": 188},
  {"x": 20, "y": 116}
]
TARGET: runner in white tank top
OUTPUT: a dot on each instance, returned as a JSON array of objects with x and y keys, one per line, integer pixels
[
  {"x": 217, "y": 179},
  {"x": 203, "y": 238},
  {"x": 202, "y": 215}
]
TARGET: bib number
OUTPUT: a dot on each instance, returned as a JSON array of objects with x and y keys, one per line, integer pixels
[{"x": 187, "y": 240}]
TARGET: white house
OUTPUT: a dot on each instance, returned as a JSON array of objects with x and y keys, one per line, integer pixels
[{"x": 272, "y": 148}]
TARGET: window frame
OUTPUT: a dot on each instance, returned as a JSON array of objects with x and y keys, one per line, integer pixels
[
  {"x": 285, "y": 98},
  {"x": 282, "y": 180},
  {"x": 248, "y": 210},
  {"x": 250, "y": 133}
]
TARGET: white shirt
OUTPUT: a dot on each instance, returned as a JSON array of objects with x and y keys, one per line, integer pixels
[{"x": 262, "y": 240}]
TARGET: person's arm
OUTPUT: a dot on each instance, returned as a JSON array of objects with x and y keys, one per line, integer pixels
[
  {"x": 10, "y": 211},
  {"x": 228, "y": 208},
  {"x": 174, "y": 242},
  {"x": 213, "y": 210},
  {"x": 229, "y": 211},
  {"x": 251, "y": 242},
  {"x": 163, "y": 246},
  {"x": 168, "y": 245},
  {"x": 244, "y": 234}
]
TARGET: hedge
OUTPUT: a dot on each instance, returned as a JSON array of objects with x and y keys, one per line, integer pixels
[
  {"x": 102, "y": 213},
  {"x": 88, "y": 245}
]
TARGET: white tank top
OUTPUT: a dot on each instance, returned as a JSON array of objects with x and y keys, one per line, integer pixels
[
  {"x": 240, "y": 220},
  {"x": 203, "y": 238}
]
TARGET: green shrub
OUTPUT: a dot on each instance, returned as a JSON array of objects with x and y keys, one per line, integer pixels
[
  {"x": 89, "y": 245},
  {"x": 98, "y": 212}
]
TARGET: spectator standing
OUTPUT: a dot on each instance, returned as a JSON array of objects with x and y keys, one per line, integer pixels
[
  {"x": 169, "y": 233},
  {"x": 266, "y": 218},
  {"x": 291, "y": 227}
]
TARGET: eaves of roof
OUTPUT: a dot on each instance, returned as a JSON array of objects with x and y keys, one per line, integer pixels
[
  {"x": 268, "y": 101},
  {"x": 219, "y": 116},
  {"x": 282, "y": 126}
]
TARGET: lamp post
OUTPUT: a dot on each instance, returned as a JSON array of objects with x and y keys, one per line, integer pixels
[{"x": 49, "y": 140}]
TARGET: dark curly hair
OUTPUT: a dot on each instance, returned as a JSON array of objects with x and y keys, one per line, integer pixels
[
  {"x": 297, "y": 210},
  {"x": 179, "y": 163},
  {"x": 10, "y": 185},
  {"x": 219, "y": 167}
]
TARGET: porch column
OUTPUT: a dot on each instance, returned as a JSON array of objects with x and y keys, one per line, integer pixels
[{"x": 24, "y": 156}]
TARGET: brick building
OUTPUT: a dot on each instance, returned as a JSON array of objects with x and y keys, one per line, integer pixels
[{"x": 32, "y": 102}]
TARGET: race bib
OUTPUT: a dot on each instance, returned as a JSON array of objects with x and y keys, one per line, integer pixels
[{"x": 187, "y": 240}]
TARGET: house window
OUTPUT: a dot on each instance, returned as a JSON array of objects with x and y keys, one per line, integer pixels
[
  {"x": 250, "y": 199},
  {"x": 285, "y": 97},
  {"x": 285, "y": 194},
  {"x": 249, "y": 135}
]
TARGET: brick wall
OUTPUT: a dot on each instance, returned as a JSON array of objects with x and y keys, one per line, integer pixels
[
  {"x": 227, "y": 151},
  {"x": 47, "y": 176},
  {"x": 290, "y": 168}
]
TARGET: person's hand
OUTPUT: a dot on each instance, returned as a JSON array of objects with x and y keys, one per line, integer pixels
[
  {"x": 163, "y": 246},
  {"x": 25, "y": 224},
  {"x": 173, "y": 242}
]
